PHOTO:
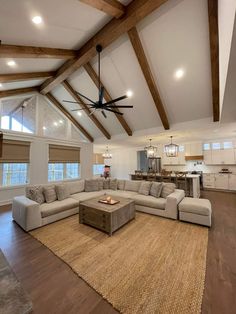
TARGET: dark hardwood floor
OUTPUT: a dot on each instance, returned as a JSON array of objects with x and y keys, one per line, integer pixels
[{"x": 54, "y": 288}]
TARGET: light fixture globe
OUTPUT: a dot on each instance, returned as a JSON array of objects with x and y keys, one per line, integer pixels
[
  {"x": 107, "y": 154},
  {"x": 171, "y": 149},
  {"x": 151, "y": 151}
]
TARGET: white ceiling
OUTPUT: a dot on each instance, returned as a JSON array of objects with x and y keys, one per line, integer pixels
[{"x": 175, "y": 36}]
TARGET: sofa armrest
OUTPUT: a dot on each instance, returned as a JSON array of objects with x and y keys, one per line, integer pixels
[
  {"x": 26, "y": 213},
  {"x": 172, "y": 202}
]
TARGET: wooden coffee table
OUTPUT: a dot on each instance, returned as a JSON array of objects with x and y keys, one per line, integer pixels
[{"x": 106, "y": 217}]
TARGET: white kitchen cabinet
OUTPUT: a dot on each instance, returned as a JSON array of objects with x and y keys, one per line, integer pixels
[
  {"x": 209, "y": 180},
  {"x": 181, "y": 158},
  {"x": 232, "y": 182},
  {"x": 223, "y": 157},
  {"x": 222, "y": 181},
  {"x": 207, "y": 157},
  {"x": 216, "y": 157},
  {"x": 193, "y": 149}
]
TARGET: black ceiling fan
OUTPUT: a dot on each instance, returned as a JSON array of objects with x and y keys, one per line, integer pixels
[{"x": 100, "y": 105}]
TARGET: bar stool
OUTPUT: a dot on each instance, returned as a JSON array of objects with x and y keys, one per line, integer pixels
[
  {"x": 138, "y": 174},
  {"x": 151, "y": 176},
  {"x": 182, "y": 182},
  {"x": 166, "y": 176}
]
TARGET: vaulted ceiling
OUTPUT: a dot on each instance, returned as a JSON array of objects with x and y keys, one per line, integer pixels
[{"x": 142, "y": 52}]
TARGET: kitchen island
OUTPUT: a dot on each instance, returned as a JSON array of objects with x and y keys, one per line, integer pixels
[{"x": 193, "y": 181}]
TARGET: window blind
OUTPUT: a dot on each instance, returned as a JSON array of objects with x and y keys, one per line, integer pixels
[
  {"x": 64, "y": 154},
  {"x": 14, "y": 151},
  {"x": 98, "y": 159}
]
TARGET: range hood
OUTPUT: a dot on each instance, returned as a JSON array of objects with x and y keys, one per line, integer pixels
[{"x": 197, "y": 157}]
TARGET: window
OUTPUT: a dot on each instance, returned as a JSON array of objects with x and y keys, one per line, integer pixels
[
  {"x": 206, "y": 146},
  {"x": 181, "y": 148},
  {"x": 14, "y": 174},
  {"x": 98, "y": 169},
  {"x": 215, "y": 146},
  {"x": 63, "y": 171},
  {"x": 227, "y": 145}
]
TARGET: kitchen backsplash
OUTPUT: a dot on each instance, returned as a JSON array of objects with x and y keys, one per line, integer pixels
[{"x": 199, "y": 166}]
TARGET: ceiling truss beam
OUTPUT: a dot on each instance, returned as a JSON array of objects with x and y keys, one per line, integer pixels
[
  {"x": 89, "y": 69},
  {"x": 143, "y": 62},
  {"x": 16, "y": 77},
  {"x": 56, "y": 103},
  {"x": 111, "y": 7},
  {"x": 76, "y": 97},
  {"x": 18, "y": 91}
]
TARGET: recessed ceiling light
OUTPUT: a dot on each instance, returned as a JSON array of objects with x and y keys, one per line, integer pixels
[
  {"x": 179, "y": 73},
  {"x": 11, "y": 63},
  {"x": 0, "y": 84},
  {"x": 44, "y": 128},
  {"x": 55, "y": 123},
  {"x": 61, "y": 121},
  {"x": 37, "y": 19},
  {"x": 79, "y": 113},
  {"x": 129, "y": 93}
]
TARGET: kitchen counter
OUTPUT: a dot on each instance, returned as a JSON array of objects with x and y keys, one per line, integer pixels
[{"x": 192, "y": 179}]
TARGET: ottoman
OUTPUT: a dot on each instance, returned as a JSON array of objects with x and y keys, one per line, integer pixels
[{"x": 195, "y": 210}]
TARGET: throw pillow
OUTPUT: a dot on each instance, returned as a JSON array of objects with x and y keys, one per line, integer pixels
[
  {"x": 145, "y": 188},
  {"x": 167, "y": 189},
  {"x": 62, "y": 191},
  {"x": 156, "y": 189},
  {"x": 91, "y": 185},
  {"x": 50, "y": 193},
  {"x": 113, "y": 184},
  {"x": 35, "y": 193},
  {"x": 106, "y": 184},
  {"x": 121, "y": 184},
  {"x": 100, "y": 184}
]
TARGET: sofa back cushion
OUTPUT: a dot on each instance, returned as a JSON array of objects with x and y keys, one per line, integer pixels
[
  {"x": 35, "y": 193},
  {"x": 121, "y": 184},
  {"x": 91, "y": 185},
  {"x": 100, "y": 183},
  {"x": 50, "y": 193},
  {"x": 113, "y": 184},
  {"x": 106, "y": 184},
  {"x": 75, "y": 186},
  {"x": 156, "y": 189},
  {"x": 145, "y": 188},
  {"x": 132, "y": 185},
  {"x": 167, "y": 189},
  {"x": 62, "y": 191}
]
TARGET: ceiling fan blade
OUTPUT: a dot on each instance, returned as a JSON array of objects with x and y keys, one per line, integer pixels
[
  {"x": 114, "y": 111},
  {"x": 93, "y": 102},
  {"x": 101, "y": 93},
  {"x": 112, "y": 106},
  {"x": 76, "y": 102},
  {"x": 104, "y": 115},
  {"x": 115, "y": 100}
]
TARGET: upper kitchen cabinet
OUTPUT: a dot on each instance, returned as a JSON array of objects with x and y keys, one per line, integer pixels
[
  {"x": 219, "y": 153},
  {"x": 193, "y": 149}
]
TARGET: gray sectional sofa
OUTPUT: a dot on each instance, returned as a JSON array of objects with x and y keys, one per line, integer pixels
[{"x": 30, "y": 214}]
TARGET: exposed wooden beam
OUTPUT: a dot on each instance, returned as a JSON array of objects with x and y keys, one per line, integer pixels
[
  {"x": 13, "y": 51},
  {"x": 142, "y": 59},
  {"x": 76, "y": 97},
  {"x": 107, "y": 97},
  {"x": 110, "y": 7},
  {"x": 18, "y": 91},
  {"x": 56, "y": 103},
  {"x": 214, "y": 47},
  {"x": 16, "y": 77},
  {"x": 135, "y": 12}
]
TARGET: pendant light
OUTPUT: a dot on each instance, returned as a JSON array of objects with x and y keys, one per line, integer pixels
[
  {"x": 151, "y": 151},
  {"x": 171, "y": 149},
  {"x": 107, "y": 154}
]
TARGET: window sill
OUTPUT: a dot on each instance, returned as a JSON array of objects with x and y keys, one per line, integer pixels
[{"x": 13, "y": 187}]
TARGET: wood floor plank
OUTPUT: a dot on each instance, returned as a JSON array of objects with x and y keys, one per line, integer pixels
[{"x": 55, "y": 288}]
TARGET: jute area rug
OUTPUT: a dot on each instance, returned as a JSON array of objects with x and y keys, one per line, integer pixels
[{"x": 151, "y": 265}]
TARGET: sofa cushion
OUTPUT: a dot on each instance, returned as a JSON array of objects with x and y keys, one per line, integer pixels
[
  {"x": 145, "y": 188},
  {"x": 197, "y": 206},
  {"x": 62, "y": 191},
  {"x": 57, "y": 207},
  {"x": 100, "y": 184},
  {"x": 119, "y": 193},
  {"x": 91, "y": 185},
  {"x": 83, "y": 196},
  {"x": 150, "y": 201},
  {"x": 113, "y": 184},
  {"x": 156, "y": 189},
  {"x": 50, "y": 193},
  {"x": 106, "y": 184},
  {"x": 35, "y": 193},
  {"x": 132, "y": 185},
  {"x": 167, "y": 189},
  {"x": 120, "y": 184},
  {"x": 75, "y": 186}
]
